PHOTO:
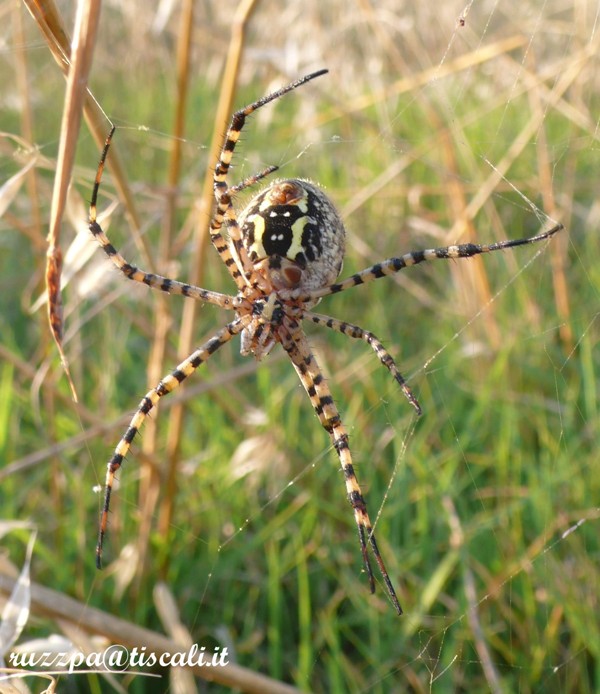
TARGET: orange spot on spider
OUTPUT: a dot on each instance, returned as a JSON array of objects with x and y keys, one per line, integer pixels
[
  {"x": 285, "y": 193},
  {"x": 293, "y": 275}
]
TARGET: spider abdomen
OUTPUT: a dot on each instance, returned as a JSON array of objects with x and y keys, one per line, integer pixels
[{"x": 294, "y": 235}]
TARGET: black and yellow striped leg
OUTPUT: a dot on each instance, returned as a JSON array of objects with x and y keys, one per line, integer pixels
[
  {"x": 236, "y": 257},
  {"x": 394, "y": 265},
  {"x": 318, "y": 391},
  {"x": 149, "y": 401},
  {"x": 384, "y": 356},
  {"x": 132, "y": 272},
  {"x": 252, "y": 180}
]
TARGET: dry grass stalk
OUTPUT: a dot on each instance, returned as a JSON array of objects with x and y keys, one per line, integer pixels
[
  {"x": 186, "y": 334},
  {"x": 49, "y": 603},
  {"x": 86, "y": 24},
  {"x": 46, "y": 15}
]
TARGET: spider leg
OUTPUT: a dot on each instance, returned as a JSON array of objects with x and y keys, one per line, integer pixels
[
  {"x": 318, "y": 391},
  {"x": 252, "y": 180},
  {"x": 235, "y": 255},
  {"x": 148, "y": 402},
  {"x": 384, "y": 356},
  {"x": 393, "y": 265},
  {"x": 164, "y": 284}
]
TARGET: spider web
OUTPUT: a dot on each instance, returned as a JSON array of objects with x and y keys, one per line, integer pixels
[
  {"x": 495, "y": 179},
  {"x": 482, "y": 323},
  {"x": 473, "y": 121},
  {"x": 502, "y": 196}
]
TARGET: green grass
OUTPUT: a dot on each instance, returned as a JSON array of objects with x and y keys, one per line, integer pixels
[{"x": 480, "y": 493}]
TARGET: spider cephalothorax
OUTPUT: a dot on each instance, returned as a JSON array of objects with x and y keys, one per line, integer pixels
[
  {"x": 263, "y": 318},
  {"x": 284, "y": 254}
]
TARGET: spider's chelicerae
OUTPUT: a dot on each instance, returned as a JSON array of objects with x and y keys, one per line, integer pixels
[{"x": 284, "y": 254}]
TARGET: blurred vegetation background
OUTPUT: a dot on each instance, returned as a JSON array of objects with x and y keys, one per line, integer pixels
[{"x": 435, "y": 125}]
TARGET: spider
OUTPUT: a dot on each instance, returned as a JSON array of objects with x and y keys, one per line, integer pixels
[{"x": 284, "y": 252}]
